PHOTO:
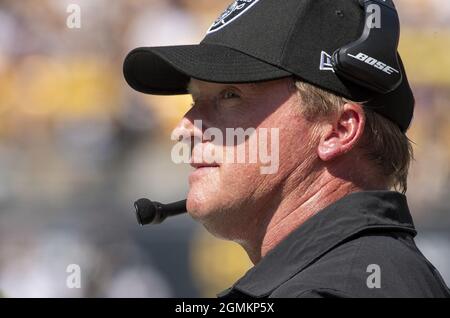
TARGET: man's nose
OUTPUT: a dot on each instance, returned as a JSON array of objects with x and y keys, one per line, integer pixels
[{"x": 188, "y": 128}]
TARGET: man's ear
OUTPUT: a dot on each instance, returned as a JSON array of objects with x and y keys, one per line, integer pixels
[{"x": 342, "y": 133}]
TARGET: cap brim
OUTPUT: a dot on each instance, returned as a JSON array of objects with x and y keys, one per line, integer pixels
[{"x": 167, "y": 70}]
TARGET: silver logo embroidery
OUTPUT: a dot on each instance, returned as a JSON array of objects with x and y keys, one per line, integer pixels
[{"x": 234, "y": 11}]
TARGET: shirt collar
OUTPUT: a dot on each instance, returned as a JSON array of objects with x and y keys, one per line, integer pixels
[{"x": 341, "y": 220}]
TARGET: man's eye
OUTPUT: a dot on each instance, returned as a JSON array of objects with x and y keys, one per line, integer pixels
[{"x": 229, "y": 95}]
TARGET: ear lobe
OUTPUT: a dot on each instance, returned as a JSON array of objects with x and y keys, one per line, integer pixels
[
  {"x": 343, "y": 134},
  {"x": 328, "y": 144}
]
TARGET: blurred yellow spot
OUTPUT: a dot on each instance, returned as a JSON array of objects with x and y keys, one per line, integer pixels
[
  {"x": 216, "y": 264},
  {"x": 6, "y": 91},
  {"x": 69, "y": 87},
  {"x": 170, "y": 109},
  {"x": 426, "y": 56}
]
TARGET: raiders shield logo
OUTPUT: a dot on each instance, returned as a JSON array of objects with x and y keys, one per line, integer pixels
[{"x": 234, "y": 11}]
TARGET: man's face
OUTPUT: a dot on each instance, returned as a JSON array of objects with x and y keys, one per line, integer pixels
[{"x": 228, "y": 196}]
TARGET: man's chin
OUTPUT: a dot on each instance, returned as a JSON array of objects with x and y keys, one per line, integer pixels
[
  {"x": 213, "y": 216},
  {"x": 199, "y": 207}
]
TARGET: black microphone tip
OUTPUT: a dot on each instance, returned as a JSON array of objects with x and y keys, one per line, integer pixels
[{"x": 145, "y": 211}]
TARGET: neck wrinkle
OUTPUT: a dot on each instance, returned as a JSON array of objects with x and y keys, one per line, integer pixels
[{"x": 297, "y": 206}]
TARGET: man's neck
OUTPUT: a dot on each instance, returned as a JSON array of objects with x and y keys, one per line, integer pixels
[{"x": 298, "y": 205}]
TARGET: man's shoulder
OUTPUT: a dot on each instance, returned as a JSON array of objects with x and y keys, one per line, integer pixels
[{"x": 374, "y": 264}]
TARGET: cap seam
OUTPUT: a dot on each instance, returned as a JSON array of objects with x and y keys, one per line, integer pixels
[{"x": 291, "y": 31}]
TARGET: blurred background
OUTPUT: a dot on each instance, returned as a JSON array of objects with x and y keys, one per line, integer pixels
[{"x": 78, "y": 146}]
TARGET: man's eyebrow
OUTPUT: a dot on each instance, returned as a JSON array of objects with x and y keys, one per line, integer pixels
[{"x": 254, "y": 86}]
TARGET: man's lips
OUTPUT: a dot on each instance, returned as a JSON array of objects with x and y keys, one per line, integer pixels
[
  {"x": 204, "y": 165},
  {"x": 201, "y": 170}
]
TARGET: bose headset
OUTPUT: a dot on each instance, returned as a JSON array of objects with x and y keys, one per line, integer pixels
[{"x": 380, "y": 37}]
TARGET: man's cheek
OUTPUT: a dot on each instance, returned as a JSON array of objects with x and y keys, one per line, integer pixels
[{"x": 240, "y": 178}]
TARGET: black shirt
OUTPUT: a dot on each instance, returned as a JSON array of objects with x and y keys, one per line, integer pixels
[{"x": 360, "y": 246}]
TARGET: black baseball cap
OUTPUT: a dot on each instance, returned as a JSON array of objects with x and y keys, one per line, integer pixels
[{"x": 262, "y": 40}]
